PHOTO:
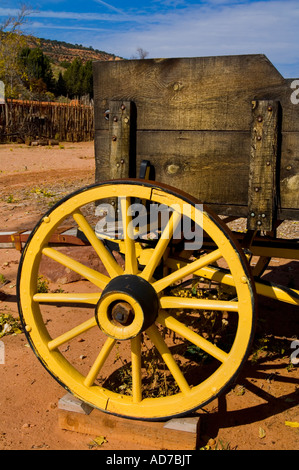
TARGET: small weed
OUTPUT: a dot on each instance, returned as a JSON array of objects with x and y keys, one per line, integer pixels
[
  {"x": 10, "y": 199},
  {"x": 59, "y": 290},
  {"x": 9, "y": 325},
  {"x": 223, "y": 446},
  {"x": 219, "y": 445},
  {"x": 269, "y": 346},
  {"x": 42, "y": 285},
  {"x": 42, "y": 192}
]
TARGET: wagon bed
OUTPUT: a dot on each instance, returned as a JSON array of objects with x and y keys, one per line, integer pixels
[{"x": 223, "y": 129}]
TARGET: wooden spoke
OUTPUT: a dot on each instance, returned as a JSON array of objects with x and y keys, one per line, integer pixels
[
  {"x": 113, "y": 268},
  {"x": 187, "y": 270},
  {"x": 173, "y": 324},
  {"x": 202, "y": 304},
  {"x": 136, "y": 368},
  {"x": 161, "y": 246},
  {"x": 99, "y": 362},
  {"x": 167, "y": 357},
  {"x": 71, "y": 334},
  {"x": 131, "y": 266},
  {"x": 93, "y": 276},
  {"x": 57, "y": 297}
]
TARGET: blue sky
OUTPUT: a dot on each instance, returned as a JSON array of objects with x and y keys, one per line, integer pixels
[{"x": 172, "y": 28}]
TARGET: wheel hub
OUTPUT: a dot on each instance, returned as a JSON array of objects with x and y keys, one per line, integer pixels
[{"x": 128, "y": 306}]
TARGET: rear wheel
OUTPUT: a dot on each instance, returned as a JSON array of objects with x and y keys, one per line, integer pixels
[{"x": 149, "y": 337}]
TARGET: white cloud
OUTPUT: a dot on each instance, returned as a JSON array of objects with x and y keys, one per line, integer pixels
[
  {"x": 211, "y": 27},
  {"x": 268, "y": 27},
  {"x": 111, "y": 7}
]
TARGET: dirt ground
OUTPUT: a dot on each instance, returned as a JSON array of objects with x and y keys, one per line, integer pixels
[{"x": 256, "y": 412}]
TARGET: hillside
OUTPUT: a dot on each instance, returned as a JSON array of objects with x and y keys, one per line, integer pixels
[{"x": 62, "y": 52}]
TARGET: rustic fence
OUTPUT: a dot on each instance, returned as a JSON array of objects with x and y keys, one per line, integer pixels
[{"x": 27, "y": 121}]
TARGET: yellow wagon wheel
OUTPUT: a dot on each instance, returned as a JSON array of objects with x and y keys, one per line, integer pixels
[{"x": 138, "y": 339}]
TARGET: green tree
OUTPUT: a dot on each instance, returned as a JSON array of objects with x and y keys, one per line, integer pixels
[
  {"x": 87, "y": 85},
  {"x": 73, "y": 77},
  {"x": 38, "y": 75},
  {"x": 12, "y": 41},
  {"x": 78, "y": 79},
  {"x": 60, "y": 87}
]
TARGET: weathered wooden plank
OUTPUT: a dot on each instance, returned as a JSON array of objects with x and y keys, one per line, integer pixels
[
  {"x": 135, "y": 434},
  {"x": 212, "y": 166},
  {"x": 189, "y": 94},
  {"x": 193, "y": 124},
  {"x": 262, "y": 194},
  {"x": 203, "y": 164},
  {"x": 288, "y": 191}
]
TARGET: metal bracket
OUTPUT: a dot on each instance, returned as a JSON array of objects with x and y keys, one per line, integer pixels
[
  {"x": 262, "y": 197},
  {"x": 119, "y": 137}
]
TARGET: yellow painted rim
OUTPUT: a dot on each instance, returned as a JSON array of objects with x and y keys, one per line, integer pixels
[{"x": 84, "y": 387}]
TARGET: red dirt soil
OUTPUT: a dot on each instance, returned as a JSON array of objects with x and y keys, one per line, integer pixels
[{"x": 251, "y": 416}]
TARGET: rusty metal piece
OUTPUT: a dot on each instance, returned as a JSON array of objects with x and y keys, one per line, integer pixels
[
  {"x": 16, "y": 238},
  {"x": 122, "y": 313}
]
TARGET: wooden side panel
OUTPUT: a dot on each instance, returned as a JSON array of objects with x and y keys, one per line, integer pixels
[
  {"x": 289, "y": 173},
  {"x": 194, "y": 162},
  {"x": 210, "y": 93},
  {"x": 192, "y": 121}
]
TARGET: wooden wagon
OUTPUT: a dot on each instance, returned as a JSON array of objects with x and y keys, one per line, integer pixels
[{"x": 183, "y": 146}]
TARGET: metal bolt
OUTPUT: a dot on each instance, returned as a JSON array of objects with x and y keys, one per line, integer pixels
[
  {"x": 260, "y": 119},
  {"x": 115, "y": 119},
  {"x": 256, "y": 189},
  {"x": 263, "y": 215},
  {"x": 259, "y": 222},
  {"x": 123, "y": 107},
  {"x": 259, "y": 137},
  {"x": 122, "y": 161},
  {"x": 289, "y": 167},
  {"x": 268, "y": 163},
  {"x": 252, "y": 214},
  {"x": 270, "y": 108},
  {"x": 123, "y": 313},
  {"x": 114, "y": 138},
  {"x": 118, "y": 165}
]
